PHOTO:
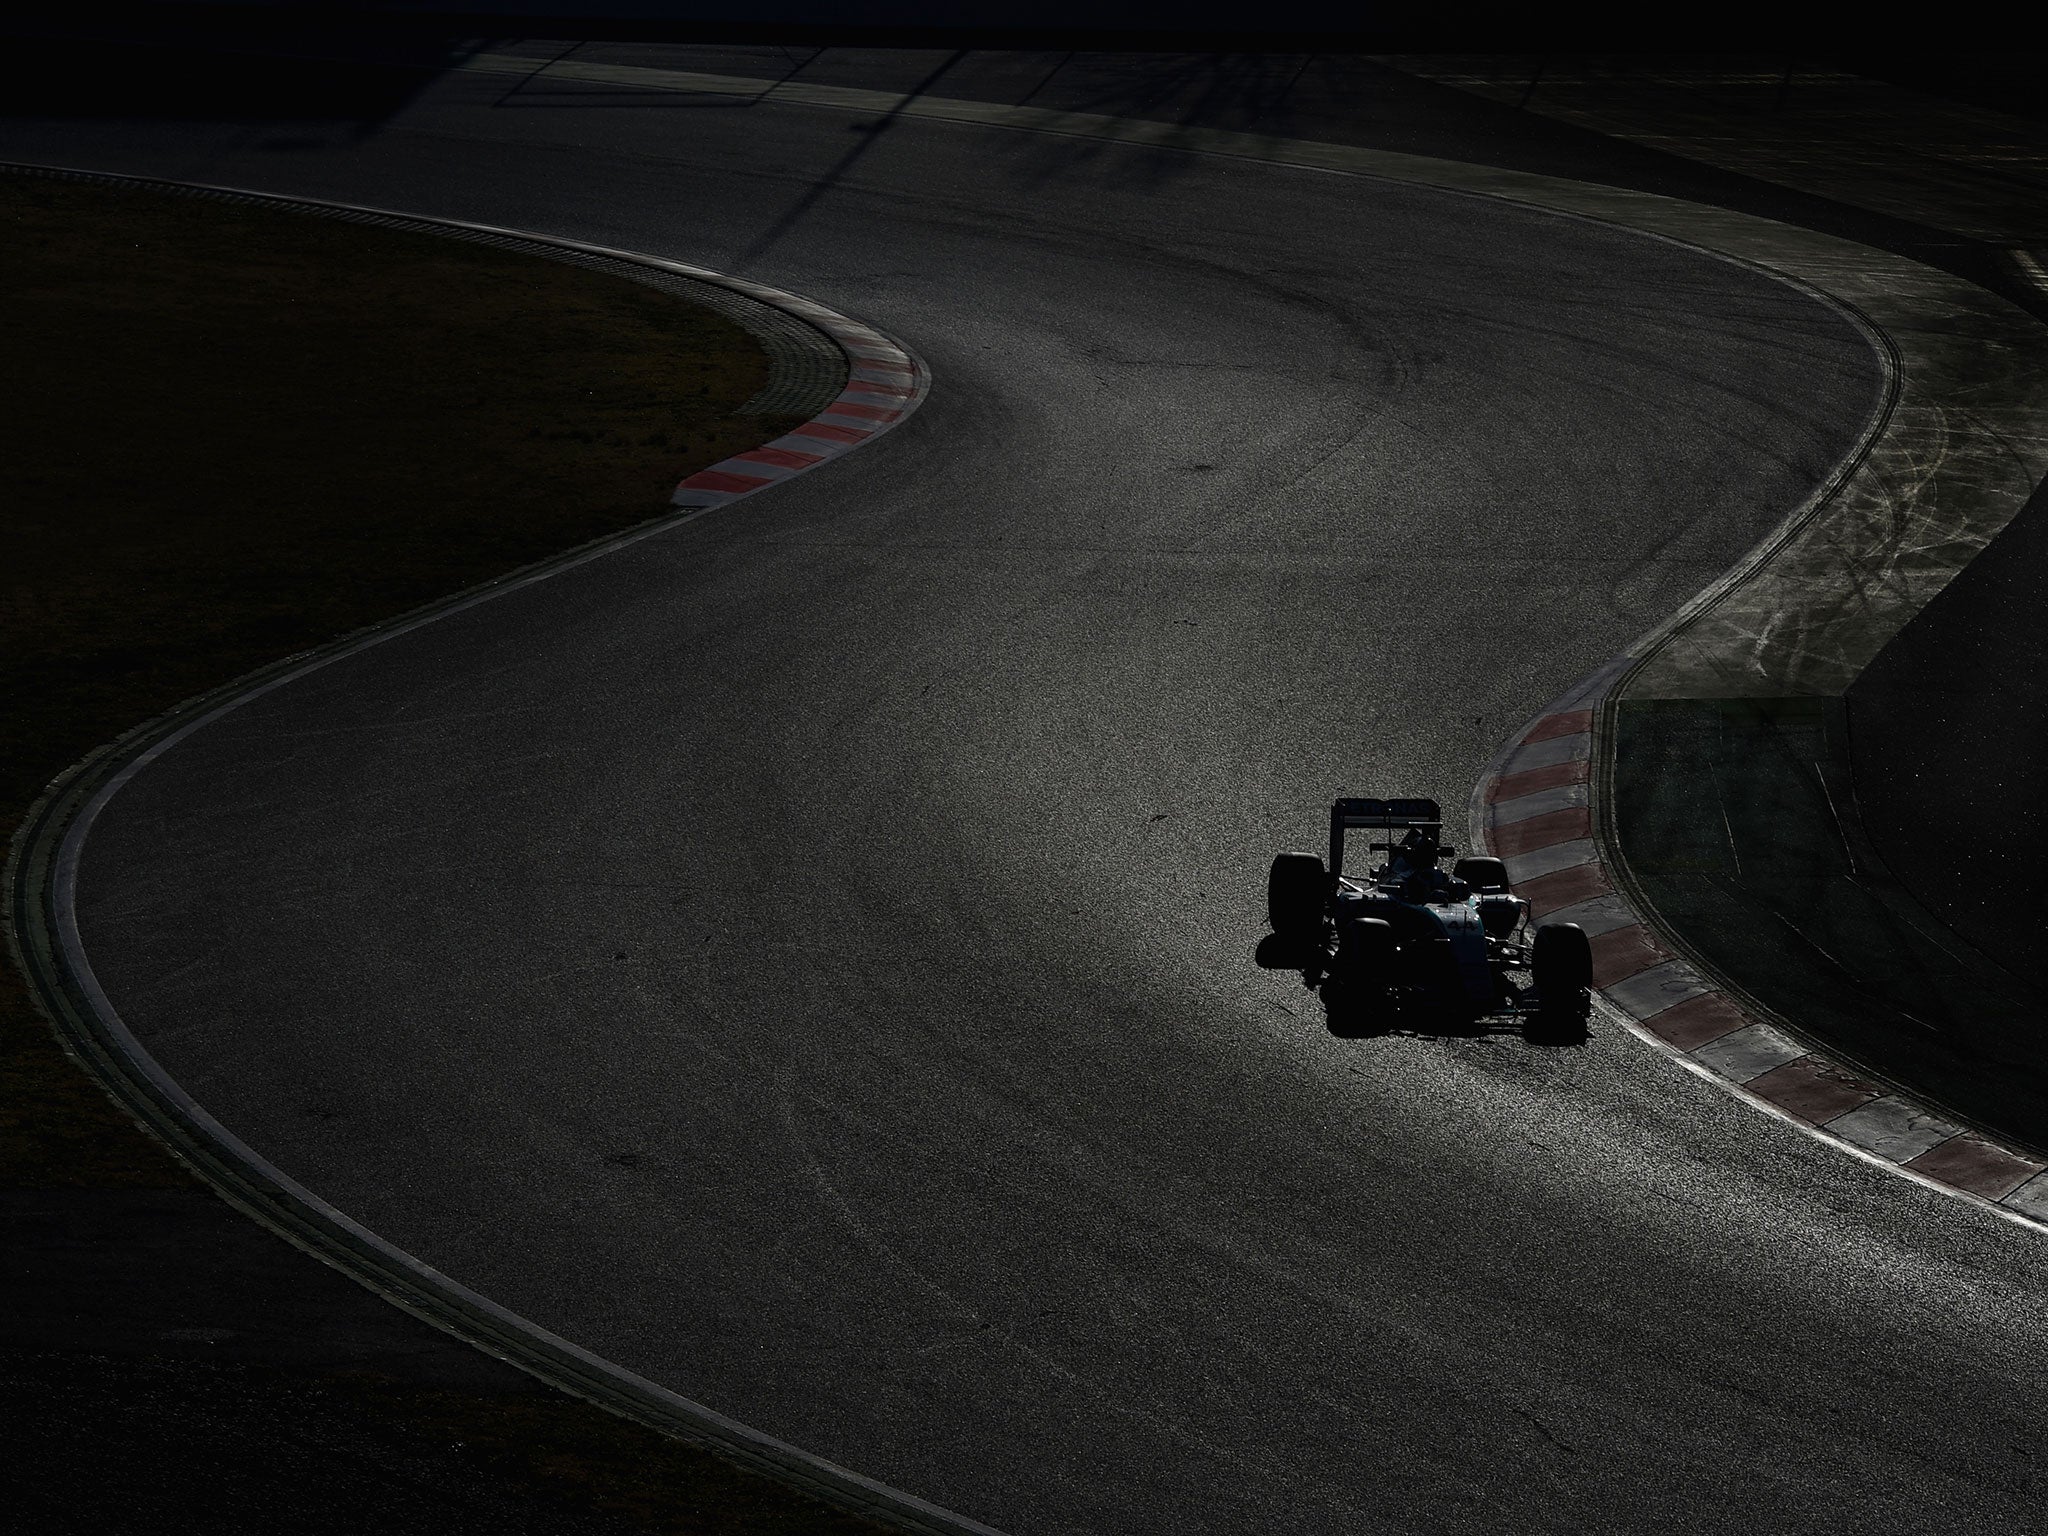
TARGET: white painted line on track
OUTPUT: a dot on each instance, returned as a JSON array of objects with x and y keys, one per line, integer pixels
[
  {"x": 1849, "y": 277},
  {"x": 1742, "y": 1056},
  {"x": 1894, "y": 1129},
  {"x": 1598, "y": 915},
  {"x": 1935, "y": 418},
  {"x": 1560, "y": 798},
  {"x": 243, "y": 1175},
  {"x": 1941, "y": 412},
  {"x": 1549, "y": 861}
]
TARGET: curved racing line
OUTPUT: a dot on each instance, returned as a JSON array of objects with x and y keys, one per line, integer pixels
[
  {"x": 1534, "y": 809},
  {"x": 886, "y": 383}
]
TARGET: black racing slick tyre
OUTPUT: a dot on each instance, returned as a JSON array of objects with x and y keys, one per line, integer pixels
[
  {"x": 1561, "y": 965},
  {"x": 1359, "y": 991},
  {"x": 1297, "y": 888}
]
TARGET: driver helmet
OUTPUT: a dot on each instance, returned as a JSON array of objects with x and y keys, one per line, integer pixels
[{"x": 1418, "y": 848}]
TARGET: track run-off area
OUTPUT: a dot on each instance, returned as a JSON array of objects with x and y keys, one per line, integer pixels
[{"x": 806, "y": 957}]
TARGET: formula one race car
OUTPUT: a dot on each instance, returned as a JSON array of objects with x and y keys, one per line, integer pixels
[{"x": 1405, "y": 936}]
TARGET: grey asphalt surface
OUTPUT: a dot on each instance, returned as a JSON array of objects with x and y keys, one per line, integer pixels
[{"x": 807, "y": 957}]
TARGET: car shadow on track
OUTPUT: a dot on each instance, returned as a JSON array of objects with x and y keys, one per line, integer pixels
[{"x": 1517, "y": 1016}]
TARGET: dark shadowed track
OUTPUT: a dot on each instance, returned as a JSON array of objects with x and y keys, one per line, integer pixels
[{"x": 807, "y": 957}]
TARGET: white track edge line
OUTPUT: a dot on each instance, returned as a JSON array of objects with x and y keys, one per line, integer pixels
[
  {"x": 115, "y": 1028},
  {"x": 1603, "y": 680}
]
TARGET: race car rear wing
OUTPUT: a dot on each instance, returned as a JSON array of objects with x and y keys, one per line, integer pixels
[{"x": 1345, "y": 814}]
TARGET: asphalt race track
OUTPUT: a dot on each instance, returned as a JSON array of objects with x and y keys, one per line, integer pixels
[{"x": 808, "y": 956}]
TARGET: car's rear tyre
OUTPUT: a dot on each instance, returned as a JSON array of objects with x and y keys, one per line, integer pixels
[
  {"x": 1561, "y": 965},
  {"x": 1297, "y": 889}
]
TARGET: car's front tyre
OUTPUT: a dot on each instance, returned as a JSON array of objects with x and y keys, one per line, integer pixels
[
  {"x": 1297, "y": 890},
  {"x": 1561, "y": 965},
  {"x": 1359, "y": 993}
]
